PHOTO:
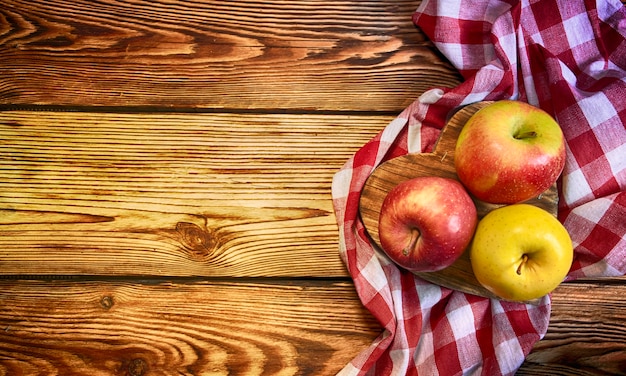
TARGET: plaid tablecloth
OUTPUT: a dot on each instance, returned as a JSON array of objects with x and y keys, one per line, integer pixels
[{"x": 567, "y": 57}]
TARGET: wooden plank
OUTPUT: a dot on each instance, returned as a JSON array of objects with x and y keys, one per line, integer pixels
[
  {"x": 173, "y": 194},
  {"x": 253, "y": 327},
  {"x": 169, "y": 328},
  {"x": 587, "y": 334},
  {"x": 312, "y": 54}
]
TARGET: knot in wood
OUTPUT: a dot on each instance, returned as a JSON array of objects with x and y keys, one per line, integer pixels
[
  {"x": 137, "y": 367},
  {"x": 194, "y": 238},
  {"x": 106, "y": 302}
]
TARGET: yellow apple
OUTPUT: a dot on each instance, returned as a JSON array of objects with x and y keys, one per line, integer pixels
[{"x": 520, "y": 252}]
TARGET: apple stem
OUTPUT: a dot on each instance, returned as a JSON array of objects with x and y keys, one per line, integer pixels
[
  {"x": 524, "y": 260},
  {"x": 523, "y": 135},
  {"x": 415, "y": 234}
]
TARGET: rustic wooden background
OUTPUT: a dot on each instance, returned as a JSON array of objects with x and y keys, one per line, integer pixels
[{"x": 165, "y": 172}]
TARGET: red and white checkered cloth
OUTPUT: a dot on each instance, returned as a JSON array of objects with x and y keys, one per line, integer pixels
[{"x": 567, "y": 57}]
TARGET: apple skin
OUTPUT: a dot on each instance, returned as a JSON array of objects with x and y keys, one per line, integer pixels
[
  {"x": 426, "y": 223},
  {"x": 520, "y": 252},
  {"x": 509, "y": 152}
]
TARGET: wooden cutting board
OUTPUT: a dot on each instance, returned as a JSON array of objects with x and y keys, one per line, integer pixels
[{"x": 440, "y": 162}]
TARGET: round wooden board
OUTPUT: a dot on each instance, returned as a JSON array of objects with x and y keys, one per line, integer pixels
[{"x": 440, "y": 162}]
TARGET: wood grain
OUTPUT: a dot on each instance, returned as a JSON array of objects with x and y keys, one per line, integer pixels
[
  {"x": 586, "y": 336},
  {"x": 176, "y": 194},
  {"x": 98, "y": 208},
  {"x": 170, "y": 328},
  {"x": 440, "y": 162},
  {"x": 253, "y": 327},
  {"x": 343, "y": 55}
]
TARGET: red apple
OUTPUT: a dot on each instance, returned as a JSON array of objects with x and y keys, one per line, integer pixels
[
  {"x": 509, "y": 152},
  {"x": 426, "y": 223}
]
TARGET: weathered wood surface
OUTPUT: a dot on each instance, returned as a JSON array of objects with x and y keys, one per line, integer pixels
[
  {"x": 175, "y": 328},
  {"x": 216, "y": 54},
  {"x": 587, "y": 332},
  {"x": 252, "y": 327},
  {"x": 139, "y": 240},
  {"x": 173, "y": 194}
]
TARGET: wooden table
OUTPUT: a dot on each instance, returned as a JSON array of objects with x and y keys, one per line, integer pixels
[{"x": 165, "y": 187}]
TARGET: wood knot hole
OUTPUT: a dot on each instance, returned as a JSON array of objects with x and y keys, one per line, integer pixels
[
  {"x": 137, "y": 367},
  {"x": 106, "y": 302}
]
